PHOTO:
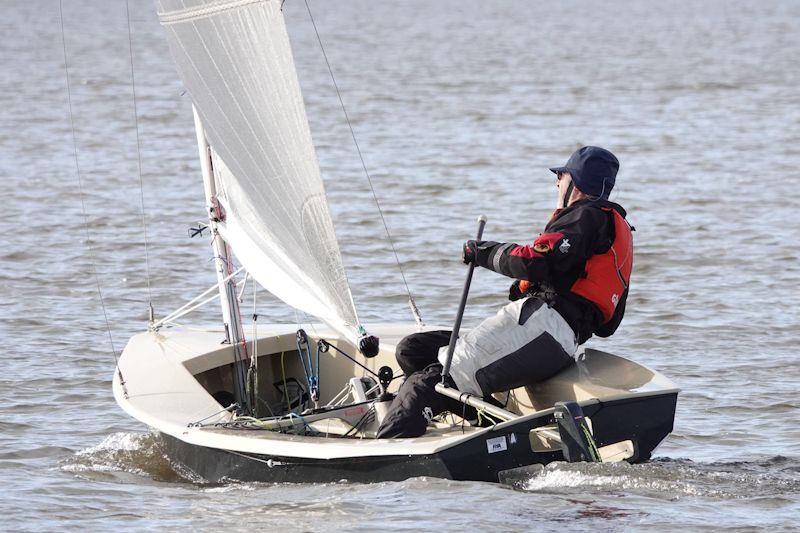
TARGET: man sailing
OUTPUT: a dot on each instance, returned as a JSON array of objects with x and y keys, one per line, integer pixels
[{"x": 571, "y": 283}]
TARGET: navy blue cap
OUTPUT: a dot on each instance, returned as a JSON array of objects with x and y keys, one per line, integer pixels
[{"x": 593, "y": 170}]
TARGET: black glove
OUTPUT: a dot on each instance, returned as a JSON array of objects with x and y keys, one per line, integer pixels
[
  {"x": 470, "y": 252},
  {"x": 514, "y": 293}
]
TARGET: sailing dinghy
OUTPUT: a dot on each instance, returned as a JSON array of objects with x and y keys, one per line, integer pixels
[{"x": 297, "y": 406}]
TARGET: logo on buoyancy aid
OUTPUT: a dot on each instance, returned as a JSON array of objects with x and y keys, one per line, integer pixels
[
  {"x": 615, "y": 299},
  {"x": 564, "y": 246},
  {"x": 427, "y": 412}
]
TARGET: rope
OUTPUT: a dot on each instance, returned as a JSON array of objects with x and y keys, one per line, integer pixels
[
  {"x": 228, "y": 409},
  {"x": 83, "y": 201},
  {"x": 242, "y": 345},
  {"x": 255, "y": 325},
  {"x": 482, "y": 414},
  {"x": 355, "y": 428},
  {"x": 254, "y": 358},
  {"x": 592, "y": 445},
  {"x": 139, "y": 159},
  {"x": 312, "y": 375},
  {"x": 247, "y": 422},
  {"x": 411, "y": 303},
  {"x": 353, "y": 360}
]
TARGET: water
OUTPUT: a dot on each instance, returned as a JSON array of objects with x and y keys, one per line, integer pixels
[{"x": 459, "y": 108}]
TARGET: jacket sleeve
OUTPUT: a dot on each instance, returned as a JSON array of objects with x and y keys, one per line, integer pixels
[{"x": 567, "y": 243}]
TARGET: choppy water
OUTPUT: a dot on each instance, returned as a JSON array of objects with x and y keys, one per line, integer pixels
[{"x": 459, "y": 108}]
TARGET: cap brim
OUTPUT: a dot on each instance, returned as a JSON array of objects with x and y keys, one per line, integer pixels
[{"x": 556, "y": 170}]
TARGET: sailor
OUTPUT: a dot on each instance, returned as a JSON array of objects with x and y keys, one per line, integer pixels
[{"x": 570, "y": 284}]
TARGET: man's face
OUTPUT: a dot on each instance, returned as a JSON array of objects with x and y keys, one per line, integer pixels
[{"x": 563, "y": 179}]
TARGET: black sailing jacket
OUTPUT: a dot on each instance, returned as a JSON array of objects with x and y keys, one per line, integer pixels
[{"x": 557, "y": 259}]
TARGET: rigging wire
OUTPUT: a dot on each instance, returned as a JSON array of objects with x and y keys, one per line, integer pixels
[
  {"x": 412, "y": 304},
  {"x": 190, "y": 306},
  {"x": 254, "y": 358},
  {"x": 139, "y": 160},
  {"x": 240, "y": 351},
  {"x": 83, "y": 201}
]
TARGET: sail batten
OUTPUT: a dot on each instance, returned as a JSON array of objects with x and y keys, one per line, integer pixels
[{"x": 235, "y": 60}]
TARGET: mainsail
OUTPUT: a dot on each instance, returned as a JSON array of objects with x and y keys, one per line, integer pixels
[{"x": 235, "y": 60}]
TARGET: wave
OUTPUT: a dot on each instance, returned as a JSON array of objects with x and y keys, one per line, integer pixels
[
  {"x": 672, "y": 478},
  {"x": 142, "y": 455},
  {"x": 122, "y": 454}
]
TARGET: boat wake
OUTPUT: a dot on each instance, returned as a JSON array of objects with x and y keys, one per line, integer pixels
[
  {"x": 671, "y": 479},
  {"x": 127, "y": 457},
  {"x": 137, "y": 457}
]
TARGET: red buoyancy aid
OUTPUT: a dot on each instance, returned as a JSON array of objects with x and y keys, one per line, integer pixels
[{"x": 608, "y": 274}]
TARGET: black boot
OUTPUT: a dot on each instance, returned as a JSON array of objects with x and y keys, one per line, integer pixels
[{"x": 417, "y": 402}]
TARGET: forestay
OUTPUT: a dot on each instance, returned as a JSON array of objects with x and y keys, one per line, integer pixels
[{"x": 235, "y": 60}]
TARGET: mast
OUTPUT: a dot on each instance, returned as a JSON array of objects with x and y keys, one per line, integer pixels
[{"x": 223, "y": 264}]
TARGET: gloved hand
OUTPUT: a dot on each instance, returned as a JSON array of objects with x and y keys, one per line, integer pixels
[
  {"x": 514, "y": 293},
  {"x": 518, "y": 289},
  {"x": 470, "y": 252}
]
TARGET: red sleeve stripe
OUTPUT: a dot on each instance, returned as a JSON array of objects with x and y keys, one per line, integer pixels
[
  {"x": 549, "y": 240},
  {"x": 526, "y": 252}
]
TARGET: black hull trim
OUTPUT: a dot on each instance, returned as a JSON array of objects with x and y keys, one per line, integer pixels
[{"x": 645, "y": 421}]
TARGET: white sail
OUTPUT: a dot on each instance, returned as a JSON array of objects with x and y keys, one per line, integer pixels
[{"x": 235, "y": 60}]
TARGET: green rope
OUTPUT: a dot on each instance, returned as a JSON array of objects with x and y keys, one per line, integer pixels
[
  {"x": 592, "y": 446},
  {"x": 482, "y": 414}
]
